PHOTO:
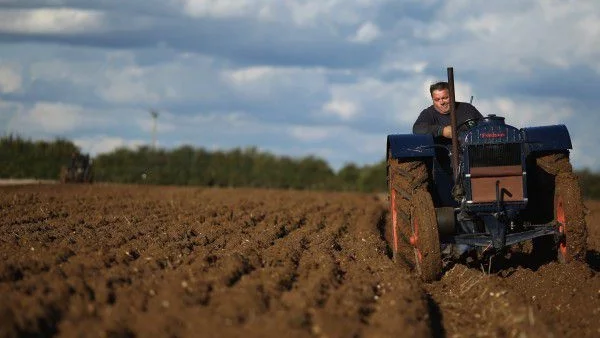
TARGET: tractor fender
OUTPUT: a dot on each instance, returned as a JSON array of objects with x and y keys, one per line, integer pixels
[
  {"x": 409, "y": 145},
  {"x": 547, "y": 138}
]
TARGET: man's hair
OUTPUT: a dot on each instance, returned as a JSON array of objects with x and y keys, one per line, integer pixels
[{"x": 438, "y": 86}]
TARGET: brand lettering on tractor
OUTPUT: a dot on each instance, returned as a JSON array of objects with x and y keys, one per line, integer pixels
[{"x": 492, "y": 135}]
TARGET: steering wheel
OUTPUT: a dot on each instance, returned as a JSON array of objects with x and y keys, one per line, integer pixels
[{"x": 469, "y": 123}]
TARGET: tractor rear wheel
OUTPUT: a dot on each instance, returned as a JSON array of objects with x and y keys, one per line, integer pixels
[
  {"x": 568, "y": 208},
  {"x": 413, "y": 232}
]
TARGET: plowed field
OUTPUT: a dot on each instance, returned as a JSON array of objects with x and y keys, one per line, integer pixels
[{"x": 138, "y": 261}]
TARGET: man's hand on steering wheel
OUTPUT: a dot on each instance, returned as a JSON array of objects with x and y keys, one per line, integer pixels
[
  {"x": 468, "y": 124},
  {"x": 465, "y": 125},
  {"x": 447, "y": 132}
]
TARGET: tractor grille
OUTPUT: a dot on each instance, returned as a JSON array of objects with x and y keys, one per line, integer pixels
[{"x": 487, "y": 155}]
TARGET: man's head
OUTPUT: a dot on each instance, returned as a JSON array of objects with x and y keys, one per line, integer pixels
[{"x": 440, "y": 94}]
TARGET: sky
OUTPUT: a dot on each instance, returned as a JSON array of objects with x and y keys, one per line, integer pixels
[{"x": 329, "y": 78}]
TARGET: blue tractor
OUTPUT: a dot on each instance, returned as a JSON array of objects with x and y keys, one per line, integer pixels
[{"x": 502, "y": 188}]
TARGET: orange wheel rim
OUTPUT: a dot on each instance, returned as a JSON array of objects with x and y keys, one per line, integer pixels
[
  {"x": 394, "y": 219},
  {"x": 560, "y": 217}
]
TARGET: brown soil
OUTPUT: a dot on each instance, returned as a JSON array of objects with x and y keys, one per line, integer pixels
[{"x": 138, "y": 261}]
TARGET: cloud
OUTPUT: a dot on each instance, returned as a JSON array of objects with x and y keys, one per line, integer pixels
[
  {"x": 345, "y": 110},
  {"x": 113, "y": 78},
  {"x": 300, "y": 13},
  {"x": 338, "y": 144},
  {"x": 269, "y": 83},
  {"x": 10, "y": 111},
  {"x": 100, "y": 144},
  {"x": 373, "y": 105},
  {"x": 248, "y": 75},
  {"x": 223, "y": 8},
  {"x": 10, "y": 79},
  {"x": 47, "y": 120},
  {"x": 405, "y": 66},
  {"x": 54, "y": 118},
  {"x": 583, "y": 153},
  {"x": 50, "y": 21},
  {"x": 326, "y": 76},
  {"x": 310, "y": 134},
  {"x": 245, "y": 39},
  {"x": 526, "y": 112},
  {"x": 366, "y": 33},
  {"x": 127, "y": 86},
  {"x": 516, "y": 36}
]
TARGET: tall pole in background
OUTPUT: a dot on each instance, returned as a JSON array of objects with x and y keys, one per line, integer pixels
[{"x": 154, "y": 114}]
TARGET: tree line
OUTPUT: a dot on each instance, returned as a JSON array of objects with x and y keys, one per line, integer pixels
[
  {"x": 247, "y": 167},
  {"x": 186, "y": 165},
  {"x": 21, "y": 158}
]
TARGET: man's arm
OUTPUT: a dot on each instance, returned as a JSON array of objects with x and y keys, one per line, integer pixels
[{"x": 426, "y": 125}]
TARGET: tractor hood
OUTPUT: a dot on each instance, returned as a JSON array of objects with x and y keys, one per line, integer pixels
[{"x": 491, "y": 130}]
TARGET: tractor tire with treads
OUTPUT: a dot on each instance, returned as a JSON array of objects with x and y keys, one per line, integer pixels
[
  {"x": 402, "y": 177},
  {"x": 425, "y": 237},
  {"x": 554, "y": 163},
  {"x": 410, "y": 201},
  {"x": 568, "y": 208}
]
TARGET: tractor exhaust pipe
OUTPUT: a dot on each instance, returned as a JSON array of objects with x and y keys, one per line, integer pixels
[{"x": 453, "y": 123}]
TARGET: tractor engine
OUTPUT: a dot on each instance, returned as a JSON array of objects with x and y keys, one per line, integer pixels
[
  {"x": 493, "y": 166},
  {"x": 491, "y": 187}
]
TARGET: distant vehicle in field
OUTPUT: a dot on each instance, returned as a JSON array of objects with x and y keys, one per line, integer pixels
[
  {"x": 507, "y": 186},
  {"x": 79, "y": 170}
]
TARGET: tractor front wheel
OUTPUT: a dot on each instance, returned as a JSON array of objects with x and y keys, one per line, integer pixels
[
  {"x": 413, "y": 231},
  {"x": 425, "y": 237},
  {"x": 569, "y": 213},
  {"x": 568, "y": 208}
]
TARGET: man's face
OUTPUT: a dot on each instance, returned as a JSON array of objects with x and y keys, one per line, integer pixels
[{"x": 441, "y": 100}]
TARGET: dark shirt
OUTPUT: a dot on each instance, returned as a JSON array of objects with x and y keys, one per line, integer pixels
[{"x": 432, "y": 122}]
